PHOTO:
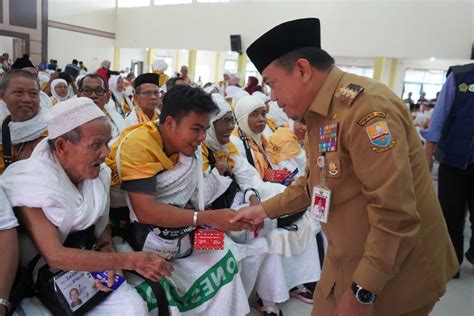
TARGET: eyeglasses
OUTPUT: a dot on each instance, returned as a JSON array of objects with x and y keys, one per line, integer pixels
[
  {"x": 227, "y": 121},
  {"x": 148, "y": 94},
  {"x": 98, "y": 91}
]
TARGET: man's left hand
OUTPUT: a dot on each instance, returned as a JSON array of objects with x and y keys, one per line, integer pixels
[{"x": 349, "y": 306}]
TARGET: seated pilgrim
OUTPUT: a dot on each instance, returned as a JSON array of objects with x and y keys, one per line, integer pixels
[
  {"x": 9, "y": 251},
  {"x": 93, "y": 86},
  {"x": 281, "y": 150},
  {"x": 225, "y": 169},
  {"x": 120, "y": 101},
  {"x": 24, "y": 63},
  {"x": 165, "y": 190},
  {"x": 60, "y": 195},
  {"x": 146, "y": 99},
  {"x": 24, "y": 128},
  {"x": 59, "y": 90}
]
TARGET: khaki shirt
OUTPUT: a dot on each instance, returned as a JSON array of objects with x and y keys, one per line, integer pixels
[{"x": 385, "y": 227}]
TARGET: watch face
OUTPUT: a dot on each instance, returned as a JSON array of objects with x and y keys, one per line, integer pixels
[{"x": 365, "y": 296}]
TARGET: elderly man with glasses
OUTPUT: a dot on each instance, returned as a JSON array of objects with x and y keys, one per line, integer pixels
[
  {"x": 146, "y": 99},
  {"x": 93, "y": 86}
]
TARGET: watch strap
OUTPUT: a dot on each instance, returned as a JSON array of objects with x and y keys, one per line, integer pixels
[{"x": 5, "y": 303}]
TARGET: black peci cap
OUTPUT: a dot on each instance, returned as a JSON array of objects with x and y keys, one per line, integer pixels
[
  {"x": 282, "y": 39},
  {"x": 152, "y": 78}
]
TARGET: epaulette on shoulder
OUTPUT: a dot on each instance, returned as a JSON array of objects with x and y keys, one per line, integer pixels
[{"x": 349, "y": 93}]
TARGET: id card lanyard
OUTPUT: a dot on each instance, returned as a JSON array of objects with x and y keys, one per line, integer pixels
[{"x": 321, "y": 198}]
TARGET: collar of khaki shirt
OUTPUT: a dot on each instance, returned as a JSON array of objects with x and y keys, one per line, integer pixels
[{"x": 323, "y": 99}]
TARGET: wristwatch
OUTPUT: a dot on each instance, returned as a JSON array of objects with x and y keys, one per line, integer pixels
[
  {"x": 362, "y": 295},
  {"x": 5, "y": 303}
]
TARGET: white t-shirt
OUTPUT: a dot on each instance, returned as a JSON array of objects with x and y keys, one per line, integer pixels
[{"x": 7, "y": 218}]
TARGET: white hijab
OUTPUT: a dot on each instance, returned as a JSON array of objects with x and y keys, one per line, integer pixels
[
  {"x": 245, "y": 106},
  {"x": 113, "y": 88},
  {"x": 237, "y": 96},
  {"x": 54, "y": 83},
  {"x": 211, "y": 138}
]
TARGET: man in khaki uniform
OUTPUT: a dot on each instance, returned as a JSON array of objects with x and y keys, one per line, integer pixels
[{"x": 389, "y": 251}]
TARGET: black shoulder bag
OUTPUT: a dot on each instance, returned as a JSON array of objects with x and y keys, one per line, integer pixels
[
  {"x": 226, "y": 199},
  {"x": 7, "y": 143},
  {"x": 69, "y": 292}
]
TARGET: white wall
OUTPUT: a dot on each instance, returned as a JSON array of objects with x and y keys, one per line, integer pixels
[
  {"x": 94, "y": 14},
  {"x": 402, "y": 29},
  {"x": 65, "y": 46}
]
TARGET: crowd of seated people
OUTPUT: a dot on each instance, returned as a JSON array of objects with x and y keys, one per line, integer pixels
[{"x": 109, "y": 181}]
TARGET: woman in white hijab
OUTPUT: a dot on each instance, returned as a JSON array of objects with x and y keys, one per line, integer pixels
[
  {"x": 281, "y": 150},
  {"x": 59, "y": 90},
  {"x": 122, "y": 103}
]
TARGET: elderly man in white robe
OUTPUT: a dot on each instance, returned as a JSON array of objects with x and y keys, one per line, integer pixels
[{"x": 62, "y": 191}]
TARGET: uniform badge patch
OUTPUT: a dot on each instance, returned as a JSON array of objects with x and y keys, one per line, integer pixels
[
  {"x": 348, "y": 93},
  {"x": 463, "y": 87},
  {"x": 333, "y": 170},
  {"x": 364, "y": 120},
  {"x": 380, "y": 136}
]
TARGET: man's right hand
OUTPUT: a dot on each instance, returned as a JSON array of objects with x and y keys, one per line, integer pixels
[
  {"x": 220, "y": 219},
  {"x": 151, "y": 265},
  {"x": 253, "y": 215}
]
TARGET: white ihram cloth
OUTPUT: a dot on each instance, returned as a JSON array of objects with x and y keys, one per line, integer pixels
[
  {"x": 117, "y": 122},
  {"x": 41, "y": 182},
  {"x": 21, "y": 132},
  {"x": 7, "y": 218},
  {"x": 179, "y": 186}
]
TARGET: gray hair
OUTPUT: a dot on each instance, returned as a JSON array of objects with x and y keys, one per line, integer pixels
[
  {"x": 17, "y": 73},
  {"x": 317, "y": 57}
]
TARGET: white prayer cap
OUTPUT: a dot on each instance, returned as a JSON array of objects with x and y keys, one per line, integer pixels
[
  {"x": 67, "y": 115},
  {"x": 159, "y": 64}
]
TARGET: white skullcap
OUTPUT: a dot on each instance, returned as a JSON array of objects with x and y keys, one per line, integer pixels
[
  {"x": 67, "y": 115},
  {"x": 159, "y": 64}
]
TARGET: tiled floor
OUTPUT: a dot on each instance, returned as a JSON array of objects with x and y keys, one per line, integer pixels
[{"x": 458, "y": 300}]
